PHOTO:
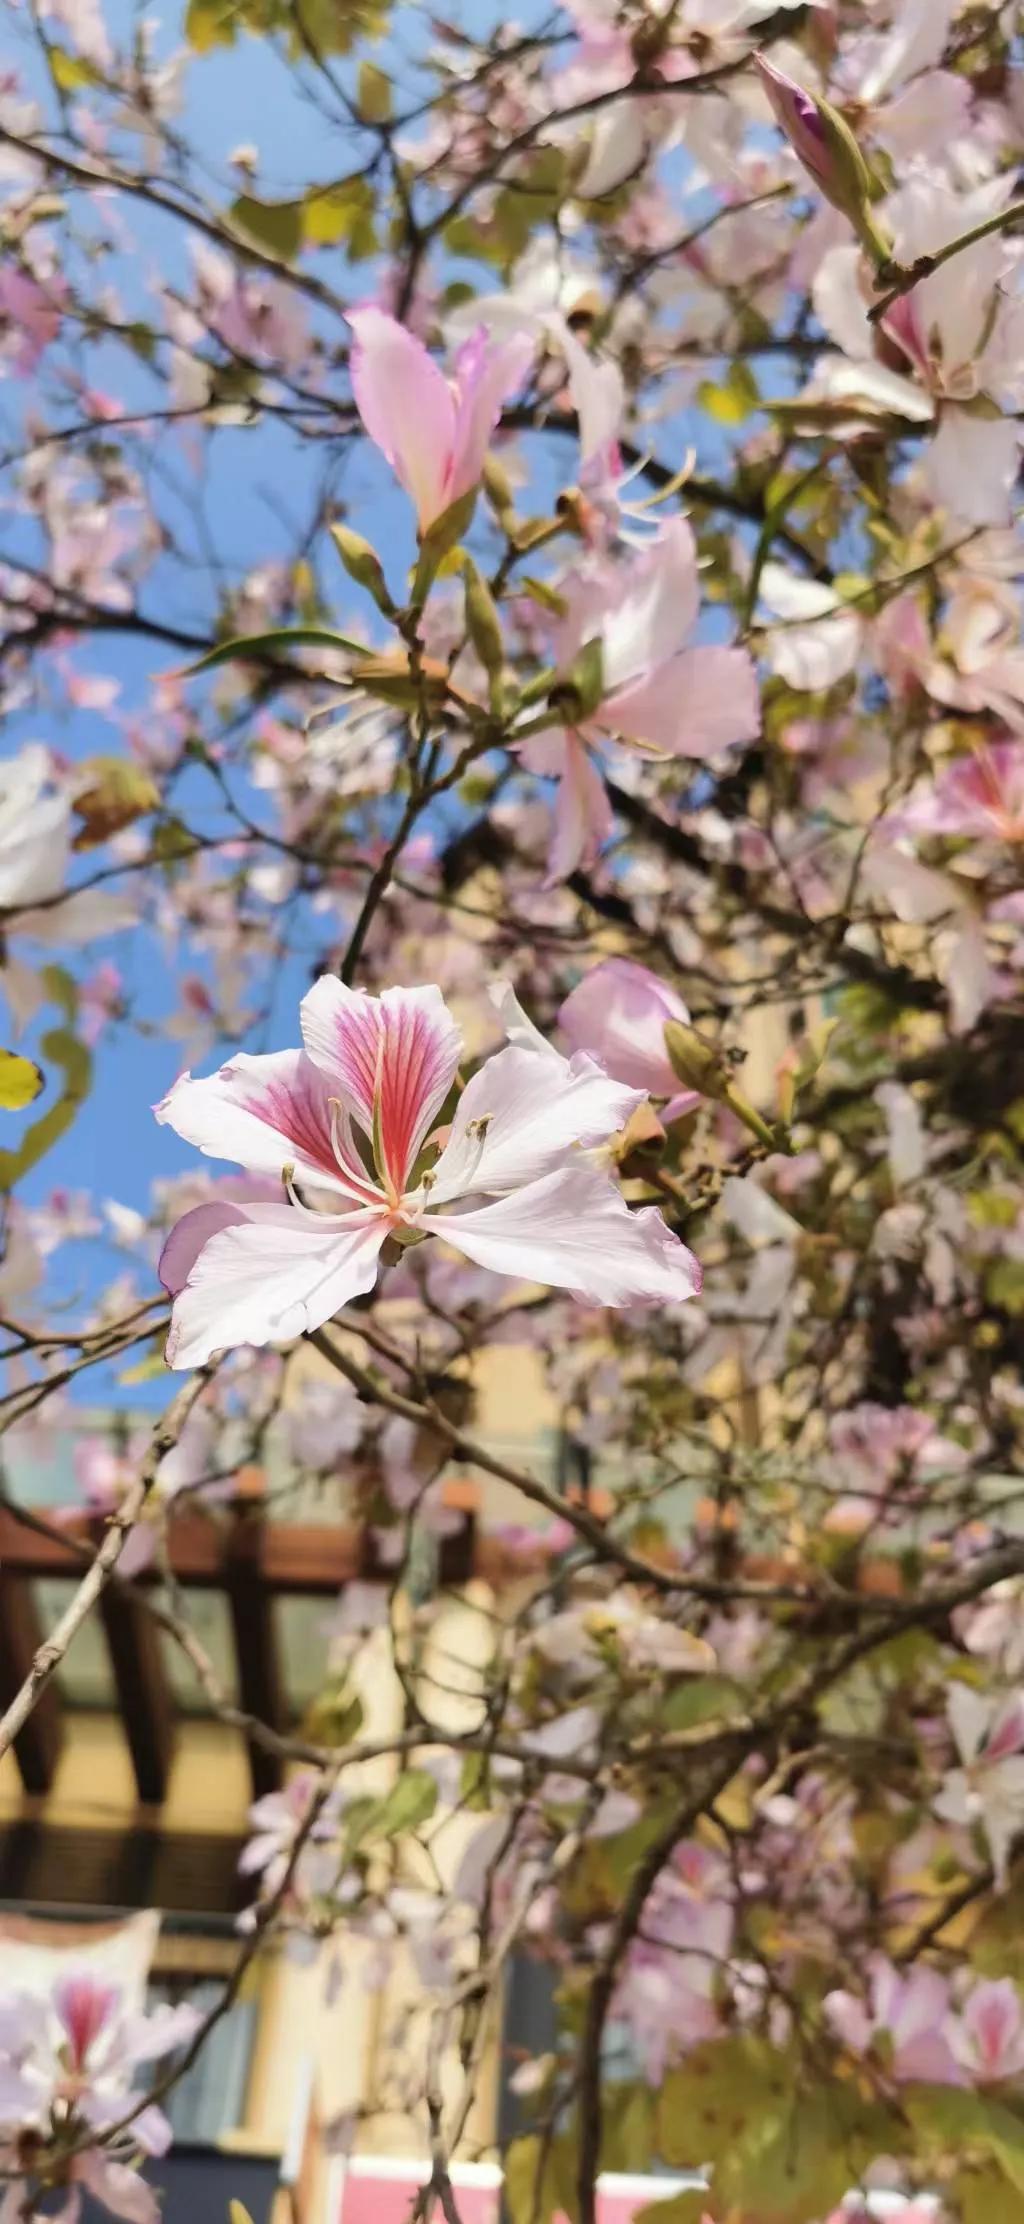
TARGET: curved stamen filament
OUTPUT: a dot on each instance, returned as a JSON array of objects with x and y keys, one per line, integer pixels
[{"x": 358, "y": 1184}]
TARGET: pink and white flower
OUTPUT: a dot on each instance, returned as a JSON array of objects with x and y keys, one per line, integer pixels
[
  {"x": 668, "y": 699},
  {"x": 67, "y": 2062},
  {"x": 959, "y": 334},
  {"x": 908, "y": 2012},
  {"x": 618, "y": 1013},
  {"x": 988, "y": 2036},
  {"x": 347, "y": 1120},
  {"x": 988, "y": 1787},
  {"x": 980, "y": 795},
  {"x": 433, "y": 430}
]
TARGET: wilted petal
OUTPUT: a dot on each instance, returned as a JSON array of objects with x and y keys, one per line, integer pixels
[
  {"x": 575, "y": 1231},
  {"x": 271, "y": 1277}
]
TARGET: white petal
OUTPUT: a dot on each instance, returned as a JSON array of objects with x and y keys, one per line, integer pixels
[
  {"x": 270, "y": 1278},
  {"x": 574, "y": 1230},
  {"x": 266, "y": 1113},
  {"x": 519, "y": 1029},
  {"x": 972, "y": 466},
  {"x": 839, "y": 304},
  {"x": 522, "y": 1115}
]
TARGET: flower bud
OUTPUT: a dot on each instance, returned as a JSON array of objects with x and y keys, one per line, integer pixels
[
  {"x": 693, "y": 1061},
  {"x": 483, "y": 626},
  {"x": 363, "y": 565},
  {"x": 822, "y": 140},
  {"x": 702, "y": 1068}
]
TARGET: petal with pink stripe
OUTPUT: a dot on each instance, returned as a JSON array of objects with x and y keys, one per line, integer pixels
[{"x": 392, "y": 1059}]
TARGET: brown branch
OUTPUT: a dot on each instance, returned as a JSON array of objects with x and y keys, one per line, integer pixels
[{"x": 94, "y": 1582}]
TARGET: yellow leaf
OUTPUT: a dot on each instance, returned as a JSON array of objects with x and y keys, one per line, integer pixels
[
  {"x": 118, "y": 793},
  {"x": 20, "y": 1081},
  {"x": 71, "y": 71}
]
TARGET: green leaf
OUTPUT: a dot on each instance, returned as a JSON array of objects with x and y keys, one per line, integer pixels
[
  {"x": 732, "y": 399},
  {"x": 785, "y": 2150},
  {"x": 332, "y": 213},
  {"x": 579, "y": 690},
  {"x": 952, "y": 2122},
  {"x": 1004, "y": 1285},
  {"x": 172, "y": 841},
  {"x": 276, "y": 226},
  {"x": 20, "y": 1081},
  {"x": 680, "y": 2208},
  {"x": 255, "y": 648},
  {"x": 373, "y": 93},
  {"x": 409, "y": 1802},
  {"x": 983, "y": 2197},
  {"x": 335, "y": 1715},
  {"x": 61, "y": 1048},
  {"x": 540, "y": 2182},
  {"x": 540, "y": 592},
  {"x": 210, "y": 23},
  {"x": 700, "y": 1699}
]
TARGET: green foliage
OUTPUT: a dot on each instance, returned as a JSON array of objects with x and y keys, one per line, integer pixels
[
  {"x": 373, "y": 93},
  {"x": 71, "y": 71},
  {"x": 321, "y": 26},
  {"x": 275, "y": 226},
  {"x": 984, "y": 2197},
  {"x": 775, "y": 2143},
  {"x": 950, "y": 2121},
  {"x": 341, "y": 215},
  {"x": 410, "y": 1802},
  {"x": 257, "y": 647},
  {"x": 61, "y": 1048},
  {"x": 731, "y": 400}
]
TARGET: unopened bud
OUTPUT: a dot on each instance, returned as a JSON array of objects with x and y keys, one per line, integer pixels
[
  {"x": 363, "y": 565},
  {"x": 702, "y": 1068},
  {"x": 498, "y": 488},
  {"x": 822, "y": 140},
  {"x": 694, "y": 1061},
  {"x": 483, "y": 626}
]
